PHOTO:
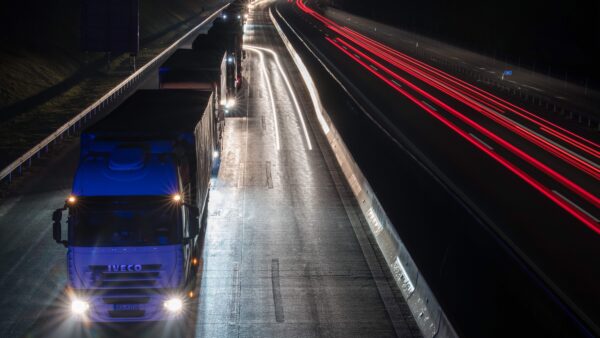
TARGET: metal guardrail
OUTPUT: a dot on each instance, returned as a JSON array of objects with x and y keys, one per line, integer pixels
[{"x": 114, "y": 95}]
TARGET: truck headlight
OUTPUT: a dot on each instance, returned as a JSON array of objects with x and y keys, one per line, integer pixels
[
  {"x": 79, "y": 306},
  {"x": 174, "y": 305}
]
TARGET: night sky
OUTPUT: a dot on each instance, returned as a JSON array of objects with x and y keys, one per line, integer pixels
[{"x": 555, "y": 37}]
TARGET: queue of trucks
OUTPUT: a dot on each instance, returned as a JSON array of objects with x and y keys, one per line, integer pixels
[{"x": 137, "y": 214}]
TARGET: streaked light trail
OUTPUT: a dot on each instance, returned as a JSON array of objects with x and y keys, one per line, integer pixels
[{"x": 263, "y": 69}]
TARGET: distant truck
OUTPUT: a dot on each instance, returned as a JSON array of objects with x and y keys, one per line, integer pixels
[
  {"x": 226, "y": 34},
  {"x": 138, "y": 209}
]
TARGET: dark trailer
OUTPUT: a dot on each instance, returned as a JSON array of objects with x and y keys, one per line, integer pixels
[
  {"x": 201, "y": 70},
  {"x": 225, "y": 35},
  {"x": 204, "y": 69},
  {"x": 176, "y": 122}
]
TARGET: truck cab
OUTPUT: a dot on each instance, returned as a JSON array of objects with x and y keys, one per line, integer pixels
[{"x": 137, "y": 213}]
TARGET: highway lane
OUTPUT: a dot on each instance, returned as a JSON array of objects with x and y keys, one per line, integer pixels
[
  {"x": 543, "y": 232},
  {"x": 288, "y": 244},
  {"x": 285, "y": 252}
]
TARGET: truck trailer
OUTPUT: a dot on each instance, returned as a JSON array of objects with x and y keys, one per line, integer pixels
[
  {"x": 201, "y": 70},
  {"x": 227, "y": 35},
  {"x": 138, "y": 209}
]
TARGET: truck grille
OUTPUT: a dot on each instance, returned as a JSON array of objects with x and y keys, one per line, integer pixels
[
  {"x": 149, "y": 276},
  {"x": 125, "y": 288}
]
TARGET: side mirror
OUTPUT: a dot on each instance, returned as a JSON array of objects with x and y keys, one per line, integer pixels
[
  {"x": 57, "y": 228},
  {"x": 57, "y": 215},
  {"x": 194, "y": 221}
]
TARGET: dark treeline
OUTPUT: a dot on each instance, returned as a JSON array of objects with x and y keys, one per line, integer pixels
[{"x": 560, "y": 38}]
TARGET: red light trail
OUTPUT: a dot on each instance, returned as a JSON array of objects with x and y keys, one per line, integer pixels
[{"x": 483, "y": 103}]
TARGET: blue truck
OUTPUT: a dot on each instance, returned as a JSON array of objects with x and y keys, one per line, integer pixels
[{"x": 138, "y": 209}]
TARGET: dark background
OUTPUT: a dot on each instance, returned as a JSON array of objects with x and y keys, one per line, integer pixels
[{"x": 553, "y": 37}]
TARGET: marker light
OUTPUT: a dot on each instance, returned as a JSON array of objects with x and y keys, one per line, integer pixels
[
  {"x": 225, "y": 16},
  {"x": 230, "y": 103},
  {"x": 230, "y": 59},
  {"x": 174, "y": 305},
  {"x": 215, "y": 154},
  {"x": 79, "y": 307},
  {"x": 239, "y": 17},
  {"x": 72, "y": 199},
  {"x": 177, "y": 198}
]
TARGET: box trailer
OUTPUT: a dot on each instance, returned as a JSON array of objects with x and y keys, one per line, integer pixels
[{"x": 201, "y": 70}]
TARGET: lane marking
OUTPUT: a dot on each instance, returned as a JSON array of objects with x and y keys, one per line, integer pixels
[
  {"x": 235, "y": 297},
  {"x": 576, "y": 206},
  {"x": 481, "y": 141},
  {"x": 428, "y": 105},
  {"x": 275, "y": 284},
  {"x": 268, "y": 173}
]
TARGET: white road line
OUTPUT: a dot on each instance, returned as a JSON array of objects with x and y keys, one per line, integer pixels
[
  {"x": 523, "y": 127},
  {"x": 534, "y": 88},
  {"x": 263, "y": 69},
  {"x": 428, "y": 105},
  {"x": 290, "y": 90},
  {"x": 481, "y": 141},
  {"x": 576, "y": 206}
]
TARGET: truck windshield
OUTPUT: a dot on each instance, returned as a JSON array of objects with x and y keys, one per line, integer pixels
[{"x": 118, "y": 221}]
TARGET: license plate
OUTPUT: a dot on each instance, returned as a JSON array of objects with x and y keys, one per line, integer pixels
[{"x": 127, "y": 307}]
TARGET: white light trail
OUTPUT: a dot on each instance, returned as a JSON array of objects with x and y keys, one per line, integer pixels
[
  {"x": 263, "y": 69},
  {"x": 258, "y": 3},
  {"x": 290, "y": 90},
  {"x": 312, "y": 89}
]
